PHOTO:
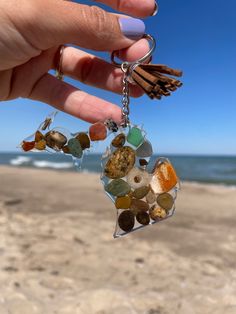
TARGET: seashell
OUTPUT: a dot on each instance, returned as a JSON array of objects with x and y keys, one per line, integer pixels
[
  {"x": 126, "y": 221},
  {"x": 97, "y": 132},
  {"x": 143, "y": 218},
  {"x": 120, "y": 163},
  {"x": 138, "y": 178},
  {"x": 164, "y": 177},
  {"x": 75, "y": 148},
  {"x": 141, "y": 192},
  {"x": 123, "y": 202},
  {"x": 157, "y": 213},
  {"x": 144, "y": 150},
  {"x": 166, "y": 201},
  {"x": 119, "y": 141},
  {"x": 55, "y": 140},
  {"x": 84, "y": 140},
  {"x": 118, "y": 187}
]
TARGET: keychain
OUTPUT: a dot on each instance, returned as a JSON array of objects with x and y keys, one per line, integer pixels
[{"x": 140, "y": 197}]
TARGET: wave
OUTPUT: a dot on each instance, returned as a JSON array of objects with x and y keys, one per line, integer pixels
[
  {"x": 20, "y": 160},
  {"x": 53, "y": 165}
]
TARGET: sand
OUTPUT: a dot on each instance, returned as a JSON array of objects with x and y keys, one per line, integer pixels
[{"x": 57, "y": 254}]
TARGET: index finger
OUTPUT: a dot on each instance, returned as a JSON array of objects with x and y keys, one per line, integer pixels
[{"x": 138, "y": 8}]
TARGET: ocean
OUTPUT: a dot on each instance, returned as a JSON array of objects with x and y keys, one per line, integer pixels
[{"x": 203, "y": 169}]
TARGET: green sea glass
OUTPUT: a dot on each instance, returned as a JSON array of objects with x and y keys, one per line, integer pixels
[{"x": 135, "y": 137}]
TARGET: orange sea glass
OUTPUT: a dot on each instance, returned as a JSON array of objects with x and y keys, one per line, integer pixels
[{"x": 27, "y": 146}]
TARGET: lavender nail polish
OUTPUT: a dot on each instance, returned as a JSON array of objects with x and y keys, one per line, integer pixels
[{"x": 132, "y": 28}]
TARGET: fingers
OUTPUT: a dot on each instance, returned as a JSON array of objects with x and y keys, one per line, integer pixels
[
  {"x": 96, "y": 72},
  {"x": 67, "y": 98},
  {"x": 82, "y": 25},
  {"x": 132, "y": 7}
]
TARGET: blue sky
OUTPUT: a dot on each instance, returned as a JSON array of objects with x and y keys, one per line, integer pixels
[{"x": 195, "y": 36}]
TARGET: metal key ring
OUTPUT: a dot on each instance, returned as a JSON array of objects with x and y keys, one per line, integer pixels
[{"x": 141, "y": 60}]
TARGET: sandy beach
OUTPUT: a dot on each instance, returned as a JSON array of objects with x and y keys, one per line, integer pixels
[{"x": 58, "y": 255}]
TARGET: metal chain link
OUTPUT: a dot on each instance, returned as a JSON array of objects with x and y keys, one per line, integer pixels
[{"x": 125, "y": 99}]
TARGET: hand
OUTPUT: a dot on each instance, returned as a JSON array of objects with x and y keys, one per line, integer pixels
[{"x": 31, "y": 34}]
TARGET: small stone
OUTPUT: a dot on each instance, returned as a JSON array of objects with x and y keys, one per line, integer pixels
[
  {"x": 138, "y": 178},
  {"x": 143, "y": 218},
  {"x": 151, "y": 197},
  {"x": 97, "y": 132},
  {"x": 119, "y": 141},
  {"x": 143, "y": 162},
  {"x": 157, "y": 213},
  {"x": 144, "y": 150},
  {"x": 123, "y": 202},
  {"x": 84, "y": 140},
  {"x": 40, "y": 145},
  {"x": 55, "y": 140},
  {"x": 75, "y": 148},
  {"x": 120, "y": 163},
  {"x": 38, "y": 136},
  {"x": 112, "y": 125},
  {"x": 164, "y": 177},
  {"x": 126, "y": 221},
  {"x": 27, "y": 146},
  {"x": 166, "y": 201},
  {"x": 135, "y": 137},
  {"x": 118, "y": 187},
  {"x": 141, "y": 192},
  {"x": 66, "y": 150},
  {"x": 138, "y": 206}
]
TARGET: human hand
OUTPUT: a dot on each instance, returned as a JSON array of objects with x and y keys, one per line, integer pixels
[{"x": 31, "y": 33}]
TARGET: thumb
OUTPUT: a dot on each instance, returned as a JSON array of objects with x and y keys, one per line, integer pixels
[{"x": 61, "y": 22}]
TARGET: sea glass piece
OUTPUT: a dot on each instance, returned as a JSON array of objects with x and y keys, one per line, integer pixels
[
  {"x": 143, "y": 218},
  {"x": 138, "y": 178},
  {"x": 126, "y": 220},
  {"x": 144, "y": 150},
  {"x": 84, "y": 140},
  {"x": 118, "y": 187},
  {"x": 120, "y": 163},
  {"x": 119, "y": 141},
  {"x": 141, "y": 192},
  {"x": 75, "y": 148},
  {"x": 40, "y": 145},
  {"x": 135, "y": 137},
  {"x": 55, "y": 140},
  {"x": 38, "y": 136},
  {"x": 164, "y": 177},
  {"x": 27, "y": 146},
  {"x": 165, "y": 201},
  {"x": 97, "y": 132},
  {"x": 123, "y": 202}
]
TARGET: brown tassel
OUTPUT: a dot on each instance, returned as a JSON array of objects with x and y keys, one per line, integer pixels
[{"x": 154, "y": 79}]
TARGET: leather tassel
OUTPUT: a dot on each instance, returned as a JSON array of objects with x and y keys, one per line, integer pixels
[{"x": 156, "y": 80}]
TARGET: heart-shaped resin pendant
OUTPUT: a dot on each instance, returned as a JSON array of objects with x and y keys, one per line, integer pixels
[{"x": 141, "y": 197}]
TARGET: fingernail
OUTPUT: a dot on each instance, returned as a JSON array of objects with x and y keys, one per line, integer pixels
[
  {"x": 132, "y": 28},
  {"x": 156, "y": 9}
]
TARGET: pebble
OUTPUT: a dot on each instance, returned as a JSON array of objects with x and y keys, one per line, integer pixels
[
  {"x": 84, "y": 140},
  {"x": 119, "y": 141},
  {"x": 123, "y": 202},
  {"x": 126, "y": 221},
  {"x": 120, "y": 163},
  {"x": 157, "y": 213},
  {"x": 75, "y": 148},
  {"x": 143, "y": 162},
  {"x": 55, "y": 140},
  {"x": 143, "y": 218},
  {"x": 97, "y": 132},
  {"x": 139, "y": 206},
  {"x": 138, "y": 178},
  {"x": 118, "y": 187},
  {"x": 141, "y": 192},
  {"x": 144, "y": 150},
  {"x": 135, "y": 137},
  {"x": 151, "y": 197},
  {"x": 164, "y": 177},
  {"x": 166, "y": 201},
  {"x": 66, "y": 150}
]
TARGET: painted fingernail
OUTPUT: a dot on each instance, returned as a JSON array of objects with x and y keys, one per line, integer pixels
[
  {"x": 156, "y": 9},
  {"x": 132, "y": 28}
]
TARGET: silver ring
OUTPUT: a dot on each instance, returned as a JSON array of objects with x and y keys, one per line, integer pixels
[
  {"x": 156, "y": 9},
  {"x": 147, "y": 56},
  {"x": 59, "y": 73}
]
